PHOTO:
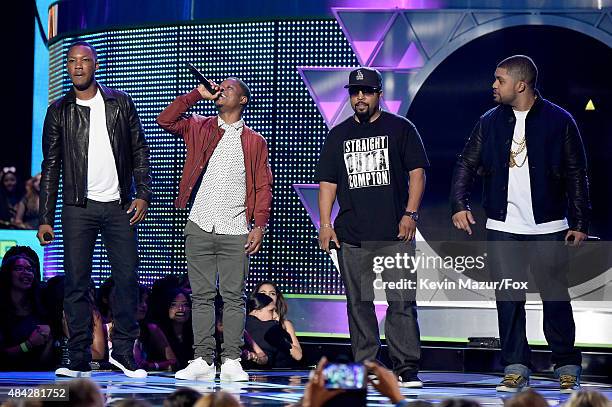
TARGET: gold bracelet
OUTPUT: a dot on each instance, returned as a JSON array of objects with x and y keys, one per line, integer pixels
[{"x": 327, "y": 225}]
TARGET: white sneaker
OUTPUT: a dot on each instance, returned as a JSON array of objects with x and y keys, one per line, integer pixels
[
  {"x": 67, "y": 372},
  {"x": 197, "y": 369},
  {"x": 410, "y": 381},
  {"x": 231, "y": 371},
  {"x": 127, "y": 365}
]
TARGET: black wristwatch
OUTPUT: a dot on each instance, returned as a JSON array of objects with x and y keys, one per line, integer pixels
[{"x": 413, "y": 215}]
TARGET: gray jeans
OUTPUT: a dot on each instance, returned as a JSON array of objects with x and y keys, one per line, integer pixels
[
  {"x": 211, "y": 256},
  {"x": 401, "y": 324}
]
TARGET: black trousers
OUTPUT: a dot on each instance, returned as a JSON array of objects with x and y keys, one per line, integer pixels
[
  {"x": 401, "y": 325},
  {"x": 511, "y": 256},
  {"x": 81, "y": 225}
]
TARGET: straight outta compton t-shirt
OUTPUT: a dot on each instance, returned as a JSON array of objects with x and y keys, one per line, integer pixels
[
  {"x": 367, "y": 161},
  {"x": 370, "y": 163}
]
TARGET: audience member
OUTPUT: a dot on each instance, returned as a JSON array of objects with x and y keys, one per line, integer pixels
[
  {"x": 184, "y": 397},
  {"x": 266, "y": 332},
  {"x": 588, "y": 398},
  {"x": 10, "y": 195},
  {"x": 174, "y": 319},
  {"x": 152, "y": 350},
  {"x": 25, "y": 335},
  {"x": 84, "y": 393},
  {"x": 528, "y": 398},
  {"x": 458, "y": 402},
  {"x": 218, "y": 399},
  {"x": 54, "y": 303},
  {"x": 26, "y": 216},
  {"x": 159, "y": 289},
  {"x": 280, "y": 314},
  {"x": 28, "y": 252}
]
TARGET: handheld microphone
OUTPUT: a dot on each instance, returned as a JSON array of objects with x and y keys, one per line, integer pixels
[
  {"x": 201, "y": 78},
  {"x": 47, "y": 237}
]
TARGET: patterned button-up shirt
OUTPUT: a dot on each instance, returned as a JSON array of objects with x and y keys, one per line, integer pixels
[{"x": 219, "y": 204}]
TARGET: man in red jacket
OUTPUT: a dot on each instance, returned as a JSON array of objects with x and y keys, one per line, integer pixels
[{"x": 227, "y": 178}]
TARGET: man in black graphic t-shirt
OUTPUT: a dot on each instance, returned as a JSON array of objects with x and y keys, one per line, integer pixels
[{"x": 373, "y": 163}]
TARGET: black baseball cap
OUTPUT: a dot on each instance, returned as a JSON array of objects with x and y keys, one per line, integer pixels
[{"x": 365, "y": 77}]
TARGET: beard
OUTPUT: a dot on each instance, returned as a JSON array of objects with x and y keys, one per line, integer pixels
[{"x": 364, "y": 116}]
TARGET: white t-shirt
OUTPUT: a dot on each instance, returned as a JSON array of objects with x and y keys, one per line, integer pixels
[
  {"x": 102, "y": 179},
  {"x": 519, "y": 216}
]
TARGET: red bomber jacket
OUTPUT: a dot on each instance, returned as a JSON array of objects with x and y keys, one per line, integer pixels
[{"x": 201, "y": 135}]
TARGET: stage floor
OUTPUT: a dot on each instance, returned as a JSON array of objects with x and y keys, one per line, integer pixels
[{"x": 278, "y": 388}]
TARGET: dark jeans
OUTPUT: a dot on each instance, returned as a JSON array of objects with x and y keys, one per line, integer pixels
[
  {"x": 81, "y": 225},
  {"x": 401, "y": 325},
  {"x": 547, "y": 261}
]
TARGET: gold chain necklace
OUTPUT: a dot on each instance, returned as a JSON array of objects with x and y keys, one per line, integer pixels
[{"x": 522, "y": 145}]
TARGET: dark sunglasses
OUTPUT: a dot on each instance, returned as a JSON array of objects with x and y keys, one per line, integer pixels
[{"x": 366, "y": 90}]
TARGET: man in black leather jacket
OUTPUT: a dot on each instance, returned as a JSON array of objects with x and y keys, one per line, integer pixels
[
  {"x": 94, "y": 137},
  {"x": 532, "y": 160}
]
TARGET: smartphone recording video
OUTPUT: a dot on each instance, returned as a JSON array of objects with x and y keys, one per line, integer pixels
[{"x": 345, "y": 376}]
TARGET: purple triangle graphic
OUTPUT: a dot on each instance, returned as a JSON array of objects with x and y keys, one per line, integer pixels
[
  {"x": 393, "y": 105},
  {"x": 329, "y": 109},
  {"x": 309, "y": 196},
  {"x": 412, "y": 58},
  {"x": 364, "y": 50},
  {"x": 344, "y": 113}
]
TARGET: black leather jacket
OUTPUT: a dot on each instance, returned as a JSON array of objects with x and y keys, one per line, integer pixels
[
  {"x": 65, "y": 146},
  {"x": 557, "y": 165}
]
